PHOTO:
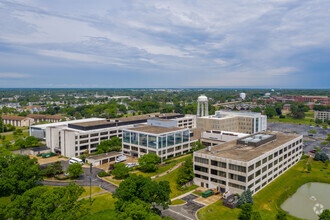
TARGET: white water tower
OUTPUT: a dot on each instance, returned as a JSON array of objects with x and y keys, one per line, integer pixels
[
  {"x": 242, "y": 95},
  {"x": 202, "y": 106}
]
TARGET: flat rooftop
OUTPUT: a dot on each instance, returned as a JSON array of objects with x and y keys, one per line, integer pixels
[
  {"x": 105, "y": 155},
  {"x": 233, "y": 150},
  {"x": 155, "y": 129},
  {"x": 137, "y": 118}
]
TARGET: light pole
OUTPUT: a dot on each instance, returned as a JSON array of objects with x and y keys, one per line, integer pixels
[{"x": 90, "y": 184}]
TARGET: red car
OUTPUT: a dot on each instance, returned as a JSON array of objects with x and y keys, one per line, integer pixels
[{"x": 312, "y": 151}]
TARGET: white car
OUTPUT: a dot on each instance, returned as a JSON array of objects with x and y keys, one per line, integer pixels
[
  {"x": 75, "y": 160},
  {"x": 121, "y": 159}
]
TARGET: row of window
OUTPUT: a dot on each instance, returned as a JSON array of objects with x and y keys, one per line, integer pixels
[{"x": 97, "y": 134}]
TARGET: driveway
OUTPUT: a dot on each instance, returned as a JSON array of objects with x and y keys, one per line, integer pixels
[
  {"x": 185, "y": 211},
  {"x": 83, "y": 180}
]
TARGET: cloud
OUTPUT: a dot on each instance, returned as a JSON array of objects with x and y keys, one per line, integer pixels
[
  {"x": 13, "y": 76},
  {"x": 243, "y": 43}
]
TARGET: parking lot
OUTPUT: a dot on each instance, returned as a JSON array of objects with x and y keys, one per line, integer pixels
[{"x": 309, "y": 142}]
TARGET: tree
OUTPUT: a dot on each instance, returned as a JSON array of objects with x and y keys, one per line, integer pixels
[
  {"x": 325, "y": 215},
  {"x": 320, "y": 155},
  {"x": 114, "y": 144},
  {"x": 32, "y": 141},
  {"x": 6, "y": 144},
  {"x": 148, "y": 162},
  {"x": 278, "y": 111},
  {"x": 246, "y": 212},
  {"x": 44, "y": 203},
  {"x": 74, "y": 170},
  {"x": 120, "y": 171},
  {"x": 197, "y": 146},
  {"x": 270, "y": 111},
  {"x": 19, "y": 143},
  {"x": 137, "y": 210},
  {"x": 53, "y": 169},
  {"x": 256, "y": 216},
  {"x": 312, "y": 131},
  {"x": 18, "y": 174},
  {"x": 256, "y": 109},
  {"x": 281, "y": 215},
  {"x": 246, "y": 197},
  {"x": 144, "y": 189},
  {"x": 186, "y": 172}
]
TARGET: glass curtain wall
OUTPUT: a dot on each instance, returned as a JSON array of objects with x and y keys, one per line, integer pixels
[
  {"x": 126, "y": 136},
  {"x": 134, "y": 138},
  {"x": 143, "y": 140},
  {"x": 152, "y": 141}
]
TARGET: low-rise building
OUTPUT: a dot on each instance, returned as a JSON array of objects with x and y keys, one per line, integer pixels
[
  {"x": 73, "y": 138},
  {"x": 235, "y": 121},
  {"x": 164, "y": 140},
  {"x": 322, "y": 115},
  {"x": 250, "y": 162},
  {"x": 45, "y": 118},
  {"x": 18, "y": 121}
]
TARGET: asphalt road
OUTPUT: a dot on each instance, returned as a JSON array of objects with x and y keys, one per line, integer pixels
[
  {"x": 309, "y": 142},
  {"x": 83, "y": 180},
  {"x": 185, "y": 211}
]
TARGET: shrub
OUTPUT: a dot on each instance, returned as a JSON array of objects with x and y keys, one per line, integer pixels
[
  {"x": 282, "y": 116},
  {"x": 321, "y": 156},
  {"x": 61, "y": 178},
  {"x": 75, "y": 170},
  {"x": 103, "y": 174},
  {"x": 304, "y": 157}
]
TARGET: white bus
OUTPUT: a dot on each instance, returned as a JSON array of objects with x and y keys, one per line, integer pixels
[{"x": 75, "y": 160}]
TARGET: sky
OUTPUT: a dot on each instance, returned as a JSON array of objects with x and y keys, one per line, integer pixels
[{"x": 165, "y": 44}]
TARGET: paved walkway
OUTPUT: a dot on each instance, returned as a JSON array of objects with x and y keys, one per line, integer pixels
[
  {"x": 95, "y": 194},
  {"x": 170, "y": 170}
]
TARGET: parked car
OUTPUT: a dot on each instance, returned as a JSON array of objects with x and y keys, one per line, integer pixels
[
  {"x": 75, "y": 160},
  {"x": 312, "y": 151},
  {"x": 121, "y": 159}
]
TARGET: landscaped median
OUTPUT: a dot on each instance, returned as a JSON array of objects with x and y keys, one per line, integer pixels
[{"x": 268, "y": 200}]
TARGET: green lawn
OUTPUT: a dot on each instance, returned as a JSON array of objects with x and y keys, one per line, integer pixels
[
  {"x": 10, "y": 137},
  {"x": 268, "y": 200},
  {"x": 177, "y": 202},
  {"x": 163, "y": 168},
  {"x": 101, "y": 203},
  {"x": 108, "y": 214},
  {"x": 171, "y": 178},
  {"x": 95, "y": 189}
]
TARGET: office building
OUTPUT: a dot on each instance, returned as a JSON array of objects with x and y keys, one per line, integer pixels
[
  {"x": 250, "y": 162},
  {"x": 159, "y": 137},
  {"x": 234, "y": 121},
  {"x": 322, "y": 115}
]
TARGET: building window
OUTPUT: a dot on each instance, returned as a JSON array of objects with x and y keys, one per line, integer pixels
[
  {"x": 201, "y": 176},
  {"x": 126, "y": 136},
  {"x": 161, "y": 142},
  {"x": 95, "y": 134},
  {"x": 258, "y": 173},
  {"x": 178, "y": 138},
  {"x": 236, "y": 186},
  {"x": 264, "y": 169},
  {"x": 237, "y": 168},
  {"x": 270, "y": 165},
  {"x": 218, "y": 164},
  {"x": 258, "y": 164},
  {"x": 201, "y": 160},
  {"x": 134, "y": 138},
  {"x": 250, "y": 168},
  {"x": 152, "y": 141},
  {"x": 264, "y": 176},
  {"x": 275, "y": 154},
  {"x": 170, "y": 140},
  {"x": 218, "y": 173},
  {"x": 143, "y": 140},
  {"x": 237, "y": 177},
  {"x": 270, "y": 157},
  {"x": 218, "y": 181},
  {"x": 264, "y": 160},
  {"x": 201, "y": 169},
  {"x": 250, "y": 177},
  {"x": 84, "y": 136},
  {"x": 258, "y": 181},
  {"x": 185, "y": 136}
]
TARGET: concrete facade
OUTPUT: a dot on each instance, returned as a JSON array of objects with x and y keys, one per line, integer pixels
[
  {"x": 322, "y": 115},
  {"x": 235, "y": 167},
  {"x": 242, "y": 122}
]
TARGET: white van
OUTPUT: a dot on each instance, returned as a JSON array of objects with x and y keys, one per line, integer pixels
[
  {"x": 75, "y": 160},
  {"x": 121, "y": 158}
]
